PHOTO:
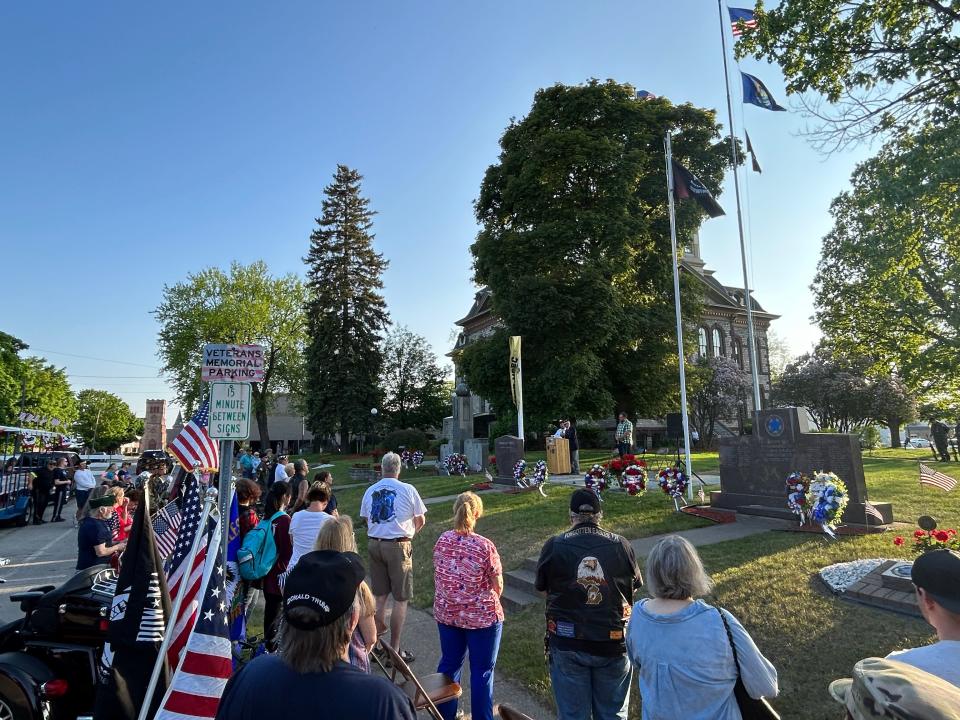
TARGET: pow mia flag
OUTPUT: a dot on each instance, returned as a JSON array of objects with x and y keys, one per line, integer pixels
[
  {"x": 138, "y": 614},
  {"x": 687, "y": 185}
]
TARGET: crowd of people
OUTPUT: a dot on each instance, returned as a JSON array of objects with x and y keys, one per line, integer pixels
[{"x": 323, "y": 621}]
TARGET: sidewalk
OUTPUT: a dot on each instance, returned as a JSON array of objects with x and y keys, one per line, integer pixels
[{"x": 420, "y": 631}]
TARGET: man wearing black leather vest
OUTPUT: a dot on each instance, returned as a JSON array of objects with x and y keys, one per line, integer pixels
[{"x": 589, "y": 576}]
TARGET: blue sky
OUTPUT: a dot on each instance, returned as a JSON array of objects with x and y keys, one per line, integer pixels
[{"x": 141, "y": 143}]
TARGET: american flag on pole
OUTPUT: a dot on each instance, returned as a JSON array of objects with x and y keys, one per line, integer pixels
[
  {"x": 738, "y": 15},
  {"x": 180, "y": 572},
  {"x": 166, "y": 525},
  {"x": 207, "y": 661},
  {"x": 929, "y": 476},
  {"x": 192, "y": 446}
]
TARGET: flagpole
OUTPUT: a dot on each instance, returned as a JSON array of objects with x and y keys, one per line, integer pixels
[
  {"x": 681, "y": 356},
  {"x": 748, "y": 301},
  {"x": 209, "y": 501}
]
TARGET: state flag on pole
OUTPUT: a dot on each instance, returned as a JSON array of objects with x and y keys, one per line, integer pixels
[
  {"x": 687, "y": 185},
  {"x": 741, "y": 19},
  {"x": 192, "y": 446},
  {"x": 138, "y": 615},
  {"x": 753, "y": 153},
  {"x": 756, "y": 93}
]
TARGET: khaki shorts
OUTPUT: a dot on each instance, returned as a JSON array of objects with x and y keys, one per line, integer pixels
[{"x": 391, "y": 569}]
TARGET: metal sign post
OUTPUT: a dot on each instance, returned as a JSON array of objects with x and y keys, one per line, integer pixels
[{"x": 230, "y": 410}]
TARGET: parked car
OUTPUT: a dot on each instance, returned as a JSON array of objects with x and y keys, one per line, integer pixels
[
  {"x": 918, "y": 442},
  {"x": 31, "y": 460},
  {"x": 149, "y": 458}
]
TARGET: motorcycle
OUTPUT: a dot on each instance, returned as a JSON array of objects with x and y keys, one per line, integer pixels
[{"x": 49, "y": 657}]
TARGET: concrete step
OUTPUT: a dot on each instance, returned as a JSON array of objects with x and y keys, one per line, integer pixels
[
  {"x": 521, "y": 579},
  {"x": 530, "y": 564},
  {"x": 515, "y": 600}
]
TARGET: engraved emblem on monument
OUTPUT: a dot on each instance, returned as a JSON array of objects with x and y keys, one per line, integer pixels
[{"x": 775, "y": 426}]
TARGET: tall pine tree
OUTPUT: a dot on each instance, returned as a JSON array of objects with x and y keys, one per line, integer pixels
[{"x": 346, "y": 314}]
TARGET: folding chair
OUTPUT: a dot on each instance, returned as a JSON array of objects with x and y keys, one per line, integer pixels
[
  {"x": 508, "y": 713},
  {"x": 426, "y": 692}
]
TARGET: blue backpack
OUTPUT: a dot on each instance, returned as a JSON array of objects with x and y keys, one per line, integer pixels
[{"x": 258, "y": 553}]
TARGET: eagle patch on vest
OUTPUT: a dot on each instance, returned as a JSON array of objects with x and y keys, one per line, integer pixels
[{"x": 590, "y": 578}]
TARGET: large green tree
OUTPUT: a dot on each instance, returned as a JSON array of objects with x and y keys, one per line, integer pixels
[
  {"x": 887, "y": 283},
  {"x": 245, "y": 306},
  {"x": 48, "y": 394},
  {"x": 104, "y": 420},
  {"x": 879, "y": 64},
  {"x": 346, "y": 313},
  {"x": 416, "y": 391},
  {"x": 575, "y": 246}
]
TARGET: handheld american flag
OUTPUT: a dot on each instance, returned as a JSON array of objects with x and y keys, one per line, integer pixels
[
  {"x": 207, "y": 662},
  {"x": 165, "y": 527},
  {"x": 193, "y": 446},
  {"x": 181, "y": 572},
  {"x": 929, "y": 476},
  {"x": 744, "y": 16}
]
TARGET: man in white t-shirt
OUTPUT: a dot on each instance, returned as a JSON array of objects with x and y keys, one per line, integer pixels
[
  {"x": 279, "y": 472},
  {"x": 394, "y": 513},
  {"x": 84, "y": 482},
  {"x": 936, "y": 576}
]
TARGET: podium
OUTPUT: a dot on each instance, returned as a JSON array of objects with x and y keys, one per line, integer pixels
[{"x": 558, "y": 455}]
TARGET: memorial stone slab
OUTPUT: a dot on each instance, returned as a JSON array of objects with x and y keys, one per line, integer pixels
[
  {"x": 476, "y": 450},
  {"x": 754, "y": 468},
  {"x": 446, "y": 449},
  {"x": 508, "y": 450}
]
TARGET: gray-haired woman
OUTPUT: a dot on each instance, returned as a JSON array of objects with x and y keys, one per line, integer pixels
[
  {"x": 680, "y": 647},
  {"x": 94, "y": 536}
]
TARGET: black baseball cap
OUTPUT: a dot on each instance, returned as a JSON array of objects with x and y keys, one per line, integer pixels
[
  {"x": 584, "y": 501},
  {"x": 325, "y": 581},
  {"x": 938, "y": 573}
]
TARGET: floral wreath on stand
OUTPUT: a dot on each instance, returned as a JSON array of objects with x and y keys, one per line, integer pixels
[
  {"x": 798, "y": 500},
  {"x": 674, "y": 483},
  {"x": 596, "y": 479},
  {"x": 416, "y": 457},
  {"x": 634, "y": 479},
  {"x": 540, "y": 475},
  {"x": 828, "y": 499},
  {"x": 405, "y": 458},
  {"x": 520, "y": 474},
  {"x": 456, "y": 464}
]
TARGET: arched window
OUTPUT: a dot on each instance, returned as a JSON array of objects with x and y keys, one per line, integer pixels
[
  {"x": 717, "y": 344},
  {"x": 702, "y": 341},
  {"x": 738, "y": 353}
]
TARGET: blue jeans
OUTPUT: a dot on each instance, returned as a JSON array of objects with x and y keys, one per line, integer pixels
[
  {"x": 586, "y": 685},
  {"x": 484, "y": 644},
  {"x": 623, "y": 449}
]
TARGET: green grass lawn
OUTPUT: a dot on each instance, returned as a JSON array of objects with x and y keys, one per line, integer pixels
[{"x": 768, "y": 581}]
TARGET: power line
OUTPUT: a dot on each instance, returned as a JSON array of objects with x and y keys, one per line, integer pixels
[
  {"x": 90, "y": 357},
  {"x": 117, "y": 377}
]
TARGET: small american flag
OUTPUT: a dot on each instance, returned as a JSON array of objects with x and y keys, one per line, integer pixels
[
  {"x": 192, "y": 446},
  {"x": 738, "y": 15},
  {"x": 207, "y": 662},
  {"x": 113, "y": 522},
  {"x": 929, "y": 476},
  {"x": 179, "y": 571},
  {"x": 871, "y": 511},
  {"x": 166, "y": 525}
]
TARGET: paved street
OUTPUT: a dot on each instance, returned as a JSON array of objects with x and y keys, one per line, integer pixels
[{"x": 39, "y": 555}]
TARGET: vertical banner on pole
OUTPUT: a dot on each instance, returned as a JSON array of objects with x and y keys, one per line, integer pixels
[{"x": 516, "y": 381}]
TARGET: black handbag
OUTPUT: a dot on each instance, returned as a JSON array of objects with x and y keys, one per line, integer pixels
[{"x": 750, "y": 708}]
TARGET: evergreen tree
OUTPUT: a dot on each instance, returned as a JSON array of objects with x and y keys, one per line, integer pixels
[{"x": 346, "y": 314}]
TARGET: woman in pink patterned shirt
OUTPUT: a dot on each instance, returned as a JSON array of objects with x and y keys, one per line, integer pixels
[{"x": 469, "y": 581}]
